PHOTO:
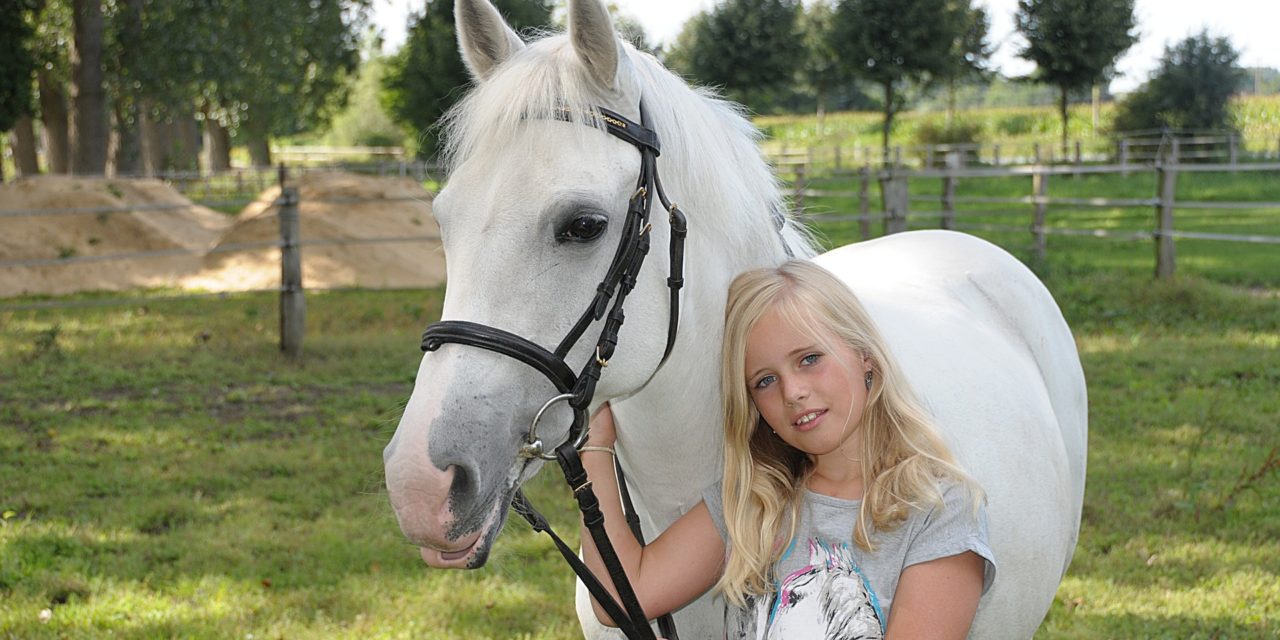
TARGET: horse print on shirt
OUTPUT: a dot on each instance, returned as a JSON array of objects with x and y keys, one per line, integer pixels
[{"x": 828, "y": 599}]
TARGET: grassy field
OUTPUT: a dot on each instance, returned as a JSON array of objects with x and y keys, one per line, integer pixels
[
  {"x": 1257, "y": 118},
  {"x": 165, "y": 473}
]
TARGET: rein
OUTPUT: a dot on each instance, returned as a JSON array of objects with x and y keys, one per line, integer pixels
[{"x": 578, "y": 390}]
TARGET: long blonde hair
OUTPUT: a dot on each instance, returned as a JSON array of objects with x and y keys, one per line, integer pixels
[{"x": 903, "y": 455}]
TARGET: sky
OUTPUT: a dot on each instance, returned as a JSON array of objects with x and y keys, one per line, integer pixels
[{"x": 1250, "y": 24}]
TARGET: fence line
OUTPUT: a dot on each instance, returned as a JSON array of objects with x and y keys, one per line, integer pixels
[
  {"x": 896, "y": 201},
  {"x": 292, "y": 303}
]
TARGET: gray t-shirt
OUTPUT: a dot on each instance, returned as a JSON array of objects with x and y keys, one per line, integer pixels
[{"x": 828, "y": 587}]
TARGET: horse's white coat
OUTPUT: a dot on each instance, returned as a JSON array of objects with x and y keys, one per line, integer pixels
[{"x": 980, "y": 338}]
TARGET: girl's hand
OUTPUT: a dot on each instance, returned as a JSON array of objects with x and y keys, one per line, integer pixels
[{"x": 602, "y": 433}]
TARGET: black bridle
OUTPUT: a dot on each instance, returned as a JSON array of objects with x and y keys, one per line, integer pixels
[{"x": 578, "y": 390}]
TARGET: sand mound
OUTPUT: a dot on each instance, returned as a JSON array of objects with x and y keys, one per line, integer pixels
[
  {"x": 139, "y": 226},
  {"x": 335, "y": 207},
  {"x": 328, "y": 212}
]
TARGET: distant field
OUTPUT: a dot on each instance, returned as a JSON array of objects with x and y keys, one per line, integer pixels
[{"x": 1257, "y": 118}]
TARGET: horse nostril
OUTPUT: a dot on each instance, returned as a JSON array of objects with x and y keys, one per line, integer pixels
[{"x": 463, "y": 489}]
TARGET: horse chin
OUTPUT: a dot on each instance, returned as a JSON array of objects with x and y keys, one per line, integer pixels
[{"x": 473, "y": 549}]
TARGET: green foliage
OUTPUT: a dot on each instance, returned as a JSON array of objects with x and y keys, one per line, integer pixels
[
  {"x": 958, "y": 133},
  {"x": 427, "y": 76},
  {"x": 1074, "y": 42},
  {"x": 746, "y": 47},
  {"x": 17, "y": 63},
  {"x": 890, "y": 42},
  {"x": 1191, "y": 89},
  {"x": 363, "y": 122}
]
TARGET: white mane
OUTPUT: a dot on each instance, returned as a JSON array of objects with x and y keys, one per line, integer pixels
[{"x": 700, "y": 134}]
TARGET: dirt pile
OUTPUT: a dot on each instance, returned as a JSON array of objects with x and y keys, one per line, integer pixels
[
  {"x": 335, "y": 209},
  {"x": 150, "y": 217}
]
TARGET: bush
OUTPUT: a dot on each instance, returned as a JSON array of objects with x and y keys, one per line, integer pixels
[{"x": 1190, "y": 90}]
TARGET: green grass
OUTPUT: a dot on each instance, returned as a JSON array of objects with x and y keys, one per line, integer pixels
[{"x": 164, "y": 472}]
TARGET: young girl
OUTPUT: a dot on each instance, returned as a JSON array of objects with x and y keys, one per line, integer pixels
[{"x": 841, "y": 513}]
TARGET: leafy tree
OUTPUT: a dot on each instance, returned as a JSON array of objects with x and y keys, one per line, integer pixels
[
  {"x": 1189, "y": 90},
  {"x": 426, "y": 76},
  {"x": 745, "y": 46},
  {"x": 1074, "y": 42},
  {"x": 891, "y": 42},
  {"x": 820, "y": 72},
  {"x": 969, "y": 52},
  {"x": 17, "y": 64}
]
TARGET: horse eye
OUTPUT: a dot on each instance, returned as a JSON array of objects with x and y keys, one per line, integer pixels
[{"x": 584, "y": 228}]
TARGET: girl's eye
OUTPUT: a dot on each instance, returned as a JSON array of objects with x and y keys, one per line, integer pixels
[
  {"x": 764, "y": 382},
  {"x": 810, "y": 359}
]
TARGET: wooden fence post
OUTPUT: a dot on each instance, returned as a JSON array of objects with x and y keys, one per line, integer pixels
[
  {"x": 949, "y": 191},
  {"x": 293, "y": 304},
  {"x": 897, "y": 156},
  {"x": 864, "y": 200},
  {"x": 995, "y": 155},
  {"x": 1167, "y": 173},
  {"x": 1078, "y": 159},
  {"x": 1233, "y": 150},
  {"x": 837, "y": 157},
  {"x": 1039, "y": 189},
  {"x": 1035, "y": 153},
  {"x": 894, "y": 188}
]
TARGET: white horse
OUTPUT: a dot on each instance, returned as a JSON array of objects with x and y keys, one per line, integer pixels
[{"x": 530, "y": 218}]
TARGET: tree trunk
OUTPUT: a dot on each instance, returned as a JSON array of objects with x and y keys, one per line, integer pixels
[
  {"x": 1097, "y": 106},
  {"x": 217, "y": 144},
  {"x": 155, "y": 141},
  {"x": 184, "y": 142},
  {"x": 259, "y": 150},
  {"x": 1062, "y": 109},
  {"x": 89, "y": 129},
  {"x": 23, "y": 140},
  {"x": 53, "y": 114},
  {"x": 126, "y": 140},
  {"x": 951, "y": 102},
  {"x": 821, "y": 109},
  {"x": 888, "y": 119}
]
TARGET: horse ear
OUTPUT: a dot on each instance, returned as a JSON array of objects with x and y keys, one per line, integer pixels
[
  {"x": 594, "y": 40},
  {"x": 483, "y": 36}
]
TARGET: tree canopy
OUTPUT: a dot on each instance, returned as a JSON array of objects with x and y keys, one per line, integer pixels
[
  {"x": 1074, "y": 42},
  {"x": 427, "y": 76},
  {"x": 1189, "y": 90},
  {"x": 892, "y": 42},
  {"x": 745, "y": 47}
]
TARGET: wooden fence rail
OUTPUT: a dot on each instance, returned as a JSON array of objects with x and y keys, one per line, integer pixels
[{"x": 896, "y": 202}]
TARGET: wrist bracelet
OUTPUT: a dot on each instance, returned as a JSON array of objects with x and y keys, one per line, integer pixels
[{"x": 608, "y": 450}]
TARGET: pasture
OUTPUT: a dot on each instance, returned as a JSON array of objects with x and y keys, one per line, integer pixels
[{"x": 164, "y": 472}]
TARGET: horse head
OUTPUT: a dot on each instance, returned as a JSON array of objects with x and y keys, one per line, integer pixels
[{"x": 530, "y": 219}]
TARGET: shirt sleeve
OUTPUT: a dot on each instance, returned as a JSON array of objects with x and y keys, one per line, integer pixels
[
  {"x": 714, "y": 497},
  {"x": 953, "y": 528}
]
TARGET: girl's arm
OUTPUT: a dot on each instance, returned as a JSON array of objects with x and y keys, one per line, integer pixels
[
  {"x": 680, "y": 565},
  {"x": 937, "y": 599}
]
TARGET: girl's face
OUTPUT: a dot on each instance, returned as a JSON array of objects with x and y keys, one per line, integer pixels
[{"x": 811, "y": 397}]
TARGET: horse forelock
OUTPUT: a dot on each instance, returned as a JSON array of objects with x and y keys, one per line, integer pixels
[{"x": 710, "y": 153}]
